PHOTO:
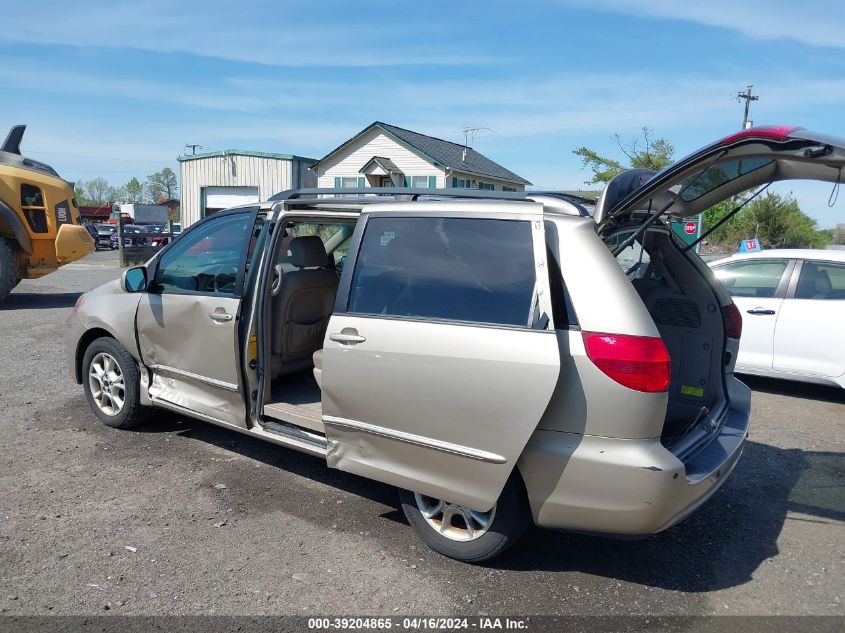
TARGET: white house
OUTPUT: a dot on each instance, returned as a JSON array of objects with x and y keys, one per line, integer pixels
[
  {"x": 384, "y": 155},
  {"x": 219, "y": 180}
]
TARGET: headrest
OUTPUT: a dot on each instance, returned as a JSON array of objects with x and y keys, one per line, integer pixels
[{"x": 307, "y": 252}]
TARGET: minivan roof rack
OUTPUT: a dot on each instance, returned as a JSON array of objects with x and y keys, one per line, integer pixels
[{"x": 399, "y": 194}]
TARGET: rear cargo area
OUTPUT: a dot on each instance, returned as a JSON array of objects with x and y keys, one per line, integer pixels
[{"x": 689, "y": 319}]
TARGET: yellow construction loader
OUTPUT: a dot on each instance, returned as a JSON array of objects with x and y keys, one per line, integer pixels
[{"x": 40, "y": 228}]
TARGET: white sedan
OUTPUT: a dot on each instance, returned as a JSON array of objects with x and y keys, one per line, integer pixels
[{"x": 793, "y": 310}]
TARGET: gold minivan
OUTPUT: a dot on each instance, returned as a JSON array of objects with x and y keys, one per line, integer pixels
[{"x": 499, "y": 357}]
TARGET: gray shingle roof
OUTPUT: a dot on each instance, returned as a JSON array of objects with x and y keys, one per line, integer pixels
[{"x": 443, "y": 153}]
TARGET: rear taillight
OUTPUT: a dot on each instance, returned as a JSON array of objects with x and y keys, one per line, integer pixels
[
  {"x": 641, "y": 363},
  {"x": 733, "y": 321}
]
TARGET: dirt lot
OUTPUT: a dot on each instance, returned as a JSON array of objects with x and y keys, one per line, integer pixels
[{"x": 97, "y": 520}]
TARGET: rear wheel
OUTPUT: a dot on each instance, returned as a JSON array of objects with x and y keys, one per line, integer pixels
[
  {"x": 112, "y": 386},
  {"x": 469, "y": 535},
  {"x": 8, "y": 268}
]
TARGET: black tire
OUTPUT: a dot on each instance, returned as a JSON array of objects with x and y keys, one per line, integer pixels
[
  {"x": 132, "y": 413},
  {"x": 511, "y": 518},
  {"x": 8, "y": 268}
]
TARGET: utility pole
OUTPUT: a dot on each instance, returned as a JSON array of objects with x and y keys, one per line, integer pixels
[
  {"x": 193, "y": 148},
  {"x": 748, "y": 99}
]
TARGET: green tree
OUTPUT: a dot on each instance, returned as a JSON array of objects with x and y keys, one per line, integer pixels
[
  {"x": 162, "y": 185},
  {"x": 134, "y": 191},
  {"x": 98, "y": 190},
  {"x": 119, "y": 194},
  {"x": 79, "y": 194},
  {"x": 646, "y": 152},
  {"x": 776, "y": 220},
  {"x": 838, "y": 236}
]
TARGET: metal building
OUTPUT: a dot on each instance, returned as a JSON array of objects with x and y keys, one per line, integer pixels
[{"x": 214, "y": 181}]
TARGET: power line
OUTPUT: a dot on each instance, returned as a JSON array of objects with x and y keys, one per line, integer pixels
[{"x": 125, "y": 160}]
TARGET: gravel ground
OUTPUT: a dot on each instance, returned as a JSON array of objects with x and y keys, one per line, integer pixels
[{"x": 186, "y": 518}]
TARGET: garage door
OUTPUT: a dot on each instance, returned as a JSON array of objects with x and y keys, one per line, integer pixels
[{"x": 219, "y": 198}]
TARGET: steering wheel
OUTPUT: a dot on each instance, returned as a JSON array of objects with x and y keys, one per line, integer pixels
[{"x": 221, "y": 269}]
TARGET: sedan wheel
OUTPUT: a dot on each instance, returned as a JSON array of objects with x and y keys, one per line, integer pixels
[{"x": 106, "y": 383}]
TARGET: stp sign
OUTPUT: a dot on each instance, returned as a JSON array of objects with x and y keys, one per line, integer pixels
[{"x": 690, "y": 228}]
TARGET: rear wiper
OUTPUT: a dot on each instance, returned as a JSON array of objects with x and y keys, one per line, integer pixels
[
  {"x": 653, "y": 218},
  {"x": 727, "y": 217}
]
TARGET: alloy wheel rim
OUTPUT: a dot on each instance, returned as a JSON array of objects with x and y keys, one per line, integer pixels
[
  {"x": 455, "y": 522},
  {"x": 106, "y": 383}
]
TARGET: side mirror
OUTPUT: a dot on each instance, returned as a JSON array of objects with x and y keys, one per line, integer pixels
[{"x": 134, "y": 279}]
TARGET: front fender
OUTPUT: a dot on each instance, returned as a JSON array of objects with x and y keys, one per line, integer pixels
[{"x": 13, "y": 221}]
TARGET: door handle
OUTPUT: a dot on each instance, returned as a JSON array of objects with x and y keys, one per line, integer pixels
[
  {"x": 760, "y": 311},
  {"x": 346, "y": 339},
  {"x": 220, "y": 317}
]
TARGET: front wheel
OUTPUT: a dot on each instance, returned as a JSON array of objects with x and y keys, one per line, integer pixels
[
  {"x": 112, "y": 384},
  {"x": 465, "y": 534},
  {"x": 8, "y": 268}
]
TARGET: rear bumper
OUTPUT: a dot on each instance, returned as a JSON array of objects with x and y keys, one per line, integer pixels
[{"x": 626, "y": 487}]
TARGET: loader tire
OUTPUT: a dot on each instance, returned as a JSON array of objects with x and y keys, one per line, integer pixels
[{"x": 8, "y": 268}]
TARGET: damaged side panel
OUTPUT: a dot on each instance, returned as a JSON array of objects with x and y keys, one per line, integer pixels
[{"x": 189, "y": 342}]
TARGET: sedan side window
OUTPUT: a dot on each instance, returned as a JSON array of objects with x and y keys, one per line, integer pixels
[
  {"x": 821, "y": 280},
  {"x": 755, "y": 278},
  {"x": 207, "y": 259},
  {"x": 458, "y": 269}
]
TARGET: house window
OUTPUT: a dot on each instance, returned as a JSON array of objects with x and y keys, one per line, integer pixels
[
  {"x": 466, "y": 183},
  {"x": 508, "y": 188},
  {"x": 421, "y": 182},
  {"x": 349, "y": 182}
]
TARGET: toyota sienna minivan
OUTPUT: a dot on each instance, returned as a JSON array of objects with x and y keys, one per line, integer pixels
[{"x": 500, "y": 357}]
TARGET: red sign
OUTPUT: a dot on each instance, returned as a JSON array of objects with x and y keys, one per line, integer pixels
[{"x": 690, "y": 228}]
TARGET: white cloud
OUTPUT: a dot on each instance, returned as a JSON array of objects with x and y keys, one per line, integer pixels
[
  {"x": 261, "y": 32},
  {"x": 818, "y": 23}
]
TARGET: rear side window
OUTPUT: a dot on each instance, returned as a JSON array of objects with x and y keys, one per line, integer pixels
[
  {"x": 756, "y": 278},
  {"x": 459, "y": 269},
  {"x": 821, "y": 280}
]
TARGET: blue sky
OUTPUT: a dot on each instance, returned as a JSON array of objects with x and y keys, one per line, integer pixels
[{"x": 116, "y": 88}]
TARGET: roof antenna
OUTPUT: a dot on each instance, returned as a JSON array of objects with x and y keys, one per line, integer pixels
[{"x": 469, "y": 137}]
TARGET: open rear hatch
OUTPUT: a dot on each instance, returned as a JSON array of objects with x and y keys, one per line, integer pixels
[
  {"x": 742, "y": 161},
  {"x": 696, "y": 320}
]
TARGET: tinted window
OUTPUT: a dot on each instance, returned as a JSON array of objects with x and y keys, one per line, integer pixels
[
  {"x": 721, "y": 174},
  {"x": 756, "y": 278},
  {"x": 446, "y": 268},
  {"x": 206, "y": 259},
  {"x": 821, "y": 280}
]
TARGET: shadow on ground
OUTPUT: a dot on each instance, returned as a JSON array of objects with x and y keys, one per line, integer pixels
[
  {"x": 37, "y": 300},
  {"x": 719, "y": 546}
]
